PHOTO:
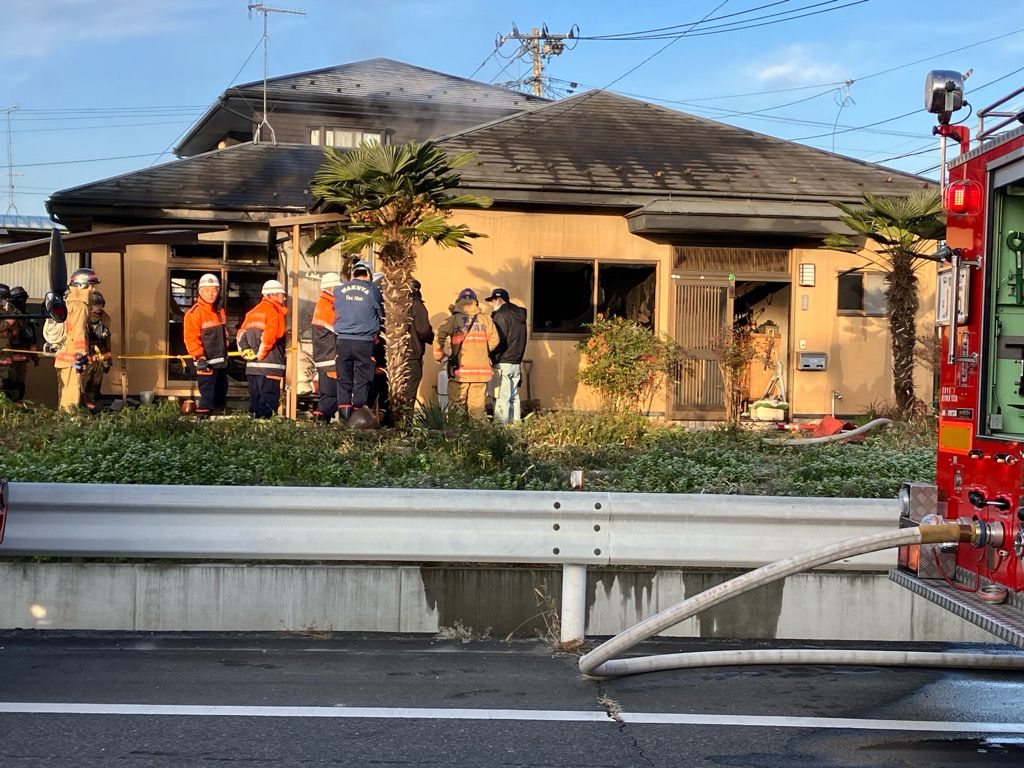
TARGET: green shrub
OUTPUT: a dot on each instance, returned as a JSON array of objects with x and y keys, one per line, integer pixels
[{"x": 625, "y": 363}]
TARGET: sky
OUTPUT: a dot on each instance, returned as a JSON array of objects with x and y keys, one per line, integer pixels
[{"x": 97, "y": 88}]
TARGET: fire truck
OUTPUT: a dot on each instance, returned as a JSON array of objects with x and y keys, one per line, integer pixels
[{"x": 980, "y": 311}]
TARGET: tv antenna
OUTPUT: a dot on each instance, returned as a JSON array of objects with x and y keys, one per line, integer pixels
[
  {"x": 266, "y": 10},
  {"x": 10, "y": 164}
]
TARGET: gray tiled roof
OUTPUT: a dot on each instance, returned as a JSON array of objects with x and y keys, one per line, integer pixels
[
  {"x": 391, "y": 81},
  {"x": 593, "y": 149},
  {"x": 242, "y": 177},
  {"x": 603, "y": 143}
]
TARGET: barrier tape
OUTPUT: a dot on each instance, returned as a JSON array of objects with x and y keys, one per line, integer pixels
[{"x": 183, "y": 358}]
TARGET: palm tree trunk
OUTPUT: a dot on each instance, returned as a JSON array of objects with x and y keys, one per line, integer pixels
[
  {"x": 903, "y": 305},
  {"x": 398, "y": 261}
]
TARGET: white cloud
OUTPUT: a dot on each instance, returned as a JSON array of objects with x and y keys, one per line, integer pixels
[
  {"x": 36, "y": 28},
  {"x": 795, "y": 65}
]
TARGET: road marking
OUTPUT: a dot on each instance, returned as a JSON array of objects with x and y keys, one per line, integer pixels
[{"x": 547, "y": 715}]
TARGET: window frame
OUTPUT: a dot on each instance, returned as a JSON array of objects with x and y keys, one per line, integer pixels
[
  {"x": 321, "y": 132},
  {"x": 864, "y": 275},
  {"x": 596, "y": 265}
]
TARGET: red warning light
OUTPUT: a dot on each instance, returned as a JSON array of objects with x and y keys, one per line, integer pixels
[{"x": 962, "y": 198}]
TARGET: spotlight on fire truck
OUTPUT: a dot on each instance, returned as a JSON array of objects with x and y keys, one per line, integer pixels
[{"x": 943, "y": 93}]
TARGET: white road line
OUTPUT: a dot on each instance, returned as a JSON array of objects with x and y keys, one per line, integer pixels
[{"x": 547, "y": 715}]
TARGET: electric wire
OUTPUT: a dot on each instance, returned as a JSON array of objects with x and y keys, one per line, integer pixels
[
  {"x": 233, "y": 79},
  {"x": 686, "y": 23},
  {"x": 739, "y": 25}
]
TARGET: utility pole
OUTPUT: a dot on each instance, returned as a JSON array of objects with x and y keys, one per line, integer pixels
[
  {"x": 266, "y": 11},
  {"x": 540, "y": 44}
]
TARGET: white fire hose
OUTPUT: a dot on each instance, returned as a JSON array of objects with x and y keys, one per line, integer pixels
[{"x": 602, "y": 662}]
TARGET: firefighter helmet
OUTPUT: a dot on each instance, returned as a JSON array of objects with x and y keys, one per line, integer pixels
[
  {"x": 19, "y": 297},
  {"x": 83, "y": 277},
  {"x": 273, "y": 286},
  {"x": 209, "y": 280},
  {"x": 329, "y": 280}
]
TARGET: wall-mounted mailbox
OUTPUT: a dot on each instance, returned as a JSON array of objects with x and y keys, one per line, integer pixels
[{"x": 811, "y": 361}]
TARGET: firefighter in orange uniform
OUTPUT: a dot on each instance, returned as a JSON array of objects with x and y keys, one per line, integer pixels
[
  {"x": 73, "y": 356},
  {"x": 206, "y": 339},
  {"x": 261, "y": 342},
  {"x": 325, "y": 348}
]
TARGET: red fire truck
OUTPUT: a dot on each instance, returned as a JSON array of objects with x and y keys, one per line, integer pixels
[{"x": 980, "y": 309}]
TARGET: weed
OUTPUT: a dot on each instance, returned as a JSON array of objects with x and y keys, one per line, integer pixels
[{"x": 462, "y": 633}]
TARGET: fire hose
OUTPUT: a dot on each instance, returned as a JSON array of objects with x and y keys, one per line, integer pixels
[
  {"x": 602, "y": 662},
  {"x": 832, "y": 438}
]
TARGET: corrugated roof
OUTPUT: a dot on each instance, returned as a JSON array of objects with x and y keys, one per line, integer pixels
[
  {"x": 605, "y": 143},
  {"x": 27, "y": 223}
]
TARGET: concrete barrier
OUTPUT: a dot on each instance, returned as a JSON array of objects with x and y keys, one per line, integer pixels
[{"x": 846, "y": 605}]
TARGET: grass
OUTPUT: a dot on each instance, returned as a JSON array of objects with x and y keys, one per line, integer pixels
[{"x": 617, "y": 453}]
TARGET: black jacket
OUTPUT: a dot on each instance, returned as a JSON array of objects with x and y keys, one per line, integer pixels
[{"x": 511, "y": 322}]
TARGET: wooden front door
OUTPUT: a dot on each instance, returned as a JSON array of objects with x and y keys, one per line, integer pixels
[{"x": 702, "y": 311}]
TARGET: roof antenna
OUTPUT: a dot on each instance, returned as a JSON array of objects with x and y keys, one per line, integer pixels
[
  {"x": 266, "y": 10},
  {"x": 10, "y": 164}
]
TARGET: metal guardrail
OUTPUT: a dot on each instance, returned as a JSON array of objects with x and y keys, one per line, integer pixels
[{"x": 415, "y": 525}]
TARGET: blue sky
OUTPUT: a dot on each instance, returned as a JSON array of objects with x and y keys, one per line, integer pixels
[{"x": 97, "y": 79}]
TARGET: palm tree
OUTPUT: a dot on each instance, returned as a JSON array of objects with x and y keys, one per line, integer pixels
[
  {"x": 395, "y": 198},
  {"x": 901, "y": 229}
]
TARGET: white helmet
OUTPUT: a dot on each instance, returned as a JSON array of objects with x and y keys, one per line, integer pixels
[
  {"x": 209, "y": 280},
  {"x": 272, "y": 286},
  {"x": 329, "y": 280}
]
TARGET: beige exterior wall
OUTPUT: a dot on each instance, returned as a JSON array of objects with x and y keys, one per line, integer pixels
[
  {"x": 505, "y": 258},
  {"x": 858, "y": 350}
]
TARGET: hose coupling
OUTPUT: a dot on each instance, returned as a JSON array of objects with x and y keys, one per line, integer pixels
[{"x": 982, "y": 534}]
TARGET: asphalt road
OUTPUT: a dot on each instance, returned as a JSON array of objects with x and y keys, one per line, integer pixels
[{"x": 150, "y": 699}]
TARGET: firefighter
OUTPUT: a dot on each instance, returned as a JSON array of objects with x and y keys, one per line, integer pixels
[
  {"x": 261, "y": 338},
  {"x": 358, "y": 310},
  {"x": 73, "y": 353},
  {"x": 99, "y": 350},
  {"x": 8, "y": 336},
  {"x": 471, "y": 336},
  {"x": 206, "y": 339},
  {"x": 325, "y": 352},
  {"x": 26, "y": 340}
]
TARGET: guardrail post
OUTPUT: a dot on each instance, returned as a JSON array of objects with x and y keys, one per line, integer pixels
[{"x": 574, "y": 603}]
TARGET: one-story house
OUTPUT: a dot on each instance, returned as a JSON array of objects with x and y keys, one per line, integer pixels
[{"x": 602, "y": 204}]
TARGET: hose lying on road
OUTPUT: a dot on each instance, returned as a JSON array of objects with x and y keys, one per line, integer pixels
[
  {"x": 830, "y": 438},
  {"x": 602, "y": 662}
]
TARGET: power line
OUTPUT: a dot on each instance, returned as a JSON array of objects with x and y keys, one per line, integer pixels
[
  {"x": 77, "y": 128},
  {"x": 745, "y": 24},
  {"x": 89, "y": 160},
  {"x": 687, "y": 23}
]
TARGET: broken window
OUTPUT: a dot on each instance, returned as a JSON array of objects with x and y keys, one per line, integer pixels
[{"x": 567, "y": 295}]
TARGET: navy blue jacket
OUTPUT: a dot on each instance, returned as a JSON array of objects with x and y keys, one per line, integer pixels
[{"x": 358, "y": 309}]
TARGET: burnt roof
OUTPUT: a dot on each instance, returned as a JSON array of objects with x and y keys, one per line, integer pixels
[
  {"x": 245, "y": 177},
  {"x": 602, "y": 143},
  {"x": 390, "y": 80},
  {"x": 596, "y": 149},
  {"x": 374, "y": 85}
]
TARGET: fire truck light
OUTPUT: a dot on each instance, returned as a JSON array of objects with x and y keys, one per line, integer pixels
[{"x": 962, "y": 198}]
